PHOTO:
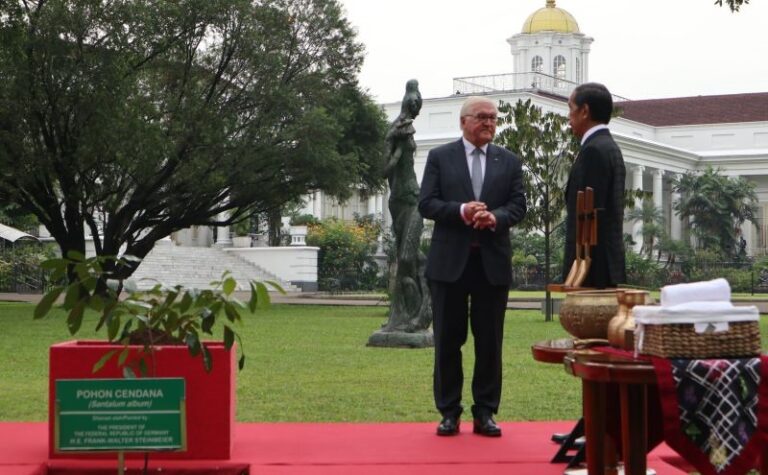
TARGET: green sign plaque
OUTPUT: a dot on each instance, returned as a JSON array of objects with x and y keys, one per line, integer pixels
[{"x": 120, "y": 414}]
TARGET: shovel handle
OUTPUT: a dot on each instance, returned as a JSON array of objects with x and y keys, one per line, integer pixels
[
  {"x": 592, "y": 219},
  {"x": 576, "y": 264},
  {"x": 579, "y": 221}
]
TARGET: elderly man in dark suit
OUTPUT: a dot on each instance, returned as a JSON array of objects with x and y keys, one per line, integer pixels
[
  {"x": 473, "y": 191},
  {"x": 600, "y": 166}
]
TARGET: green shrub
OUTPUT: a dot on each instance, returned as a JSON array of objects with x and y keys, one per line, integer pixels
[
  {"x": 304, "y": 220},
  {"x": 345, "y": 261},
  {"x": 643, "y": 272}
]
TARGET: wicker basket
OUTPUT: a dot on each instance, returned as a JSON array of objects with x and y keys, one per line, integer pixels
[{"x": 742, "y": 339}]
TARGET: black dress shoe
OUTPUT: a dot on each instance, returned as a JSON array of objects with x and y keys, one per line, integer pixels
[
  {"x": 485, "y": 425},
  {"x": 448, "y": 426}
]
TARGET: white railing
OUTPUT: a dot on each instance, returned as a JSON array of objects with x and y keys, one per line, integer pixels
[{"x": 531, "y": 81}]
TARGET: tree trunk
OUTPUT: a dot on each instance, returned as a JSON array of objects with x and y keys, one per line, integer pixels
[{"x": 275, "y": 224}]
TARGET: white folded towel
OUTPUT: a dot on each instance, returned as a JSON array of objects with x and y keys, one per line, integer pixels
[{"x": 717, "y": 290}]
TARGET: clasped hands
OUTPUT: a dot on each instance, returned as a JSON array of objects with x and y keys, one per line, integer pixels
[{"x": 476, "y": 212}]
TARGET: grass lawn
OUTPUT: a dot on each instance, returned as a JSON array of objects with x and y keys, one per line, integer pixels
[{"x": 310, "y": 363}]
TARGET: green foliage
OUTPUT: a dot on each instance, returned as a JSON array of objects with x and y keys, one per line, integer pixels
[
  {"x": 644, "y": 272},
  {"x": 12, "y": 215},
  {"x": 304, "y": 220},
  {"x": 243, "y": 228},
  {"x": 707, "y": 264},
  {"x": 345, "y": 261},
  {"x": 652, "y": 220},
  {"x": 138, "y": 119},
  {"x": 160, "y": 315},
  {"x": 533, "y": 244},
  {"x": 23, "y": 261},
  {"x": 734, "y": 5},
  {"x": 716, "y": 206},
  {"x": 522, "y": 266},
  {"x": 547, "y": 149}
]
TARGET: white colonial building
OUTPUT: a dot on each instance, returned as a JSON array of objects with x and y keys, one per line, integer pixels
[{"x": 660, "y": 138}]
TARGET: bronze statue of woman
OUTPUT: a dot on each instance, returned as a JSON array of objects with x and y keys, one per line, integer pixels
[{"x": 410, "y": 308}]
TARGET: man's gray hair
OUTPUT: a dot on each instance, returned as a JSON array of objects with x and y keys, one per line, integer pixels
[{"x": 472, "y": 101}]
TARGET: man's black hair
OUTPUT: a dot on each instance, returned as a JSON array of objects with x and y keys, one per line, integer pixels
[{"x": 597, "y": 97}]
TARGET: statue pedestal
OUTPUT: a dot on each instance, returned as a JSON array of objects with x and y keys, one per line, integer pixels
[{"x": 397, "y": 339}]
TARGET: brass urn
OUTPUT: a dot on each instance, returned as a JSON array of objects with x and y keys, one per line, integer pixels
[
  {"x": 585, "y": 314},
  {"x": 623, "y": 321}
]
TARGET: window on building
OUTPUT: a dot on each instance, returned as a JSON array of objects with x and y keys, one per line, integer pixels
[
  {"x": 558, "y": 68},
  {"x": 345, "y": 211},
  {"x": 537, "y": 64}
]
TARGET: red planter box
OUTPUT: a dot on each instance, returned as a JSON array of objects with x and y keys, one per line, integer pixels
[{"x": 210, "y": 396}]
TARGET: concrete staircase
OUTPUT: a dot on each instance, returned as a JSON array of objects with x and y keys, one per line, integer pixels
[{"x": 197, "y": 267}]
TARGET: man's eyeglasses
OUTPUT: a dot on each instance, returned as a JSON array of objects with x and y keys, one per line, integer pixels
[{"x": 483, "y": 117}]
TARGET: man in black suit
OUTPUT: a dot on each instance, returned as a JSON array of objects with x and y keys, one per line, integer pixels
[
  {"x": 600, "y": 166},
  {"x": 473, "y": 191}
]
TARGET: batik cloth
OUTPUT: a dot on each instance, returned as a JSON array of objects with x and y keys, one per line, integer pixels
[{"x": 715, "y": 411}]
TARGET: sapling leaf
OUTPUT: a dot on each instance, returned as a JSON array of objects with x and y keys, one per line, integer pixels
[
  {"x": 103, "y": 360},
  {"x": 44, "y": 306},
  {"x": 229, "y": 337},
  {"x": 75, "y": 318}
]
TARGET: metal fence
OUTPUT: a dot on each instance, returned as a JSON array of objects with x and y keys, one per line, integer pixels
[
  {"x": 743, "y": 276},
  {"x": 23, "y": 279}
]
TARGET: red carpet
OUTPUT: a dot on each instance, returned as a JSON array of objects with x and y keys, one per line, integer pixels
[{"x": 335, "y": 449}]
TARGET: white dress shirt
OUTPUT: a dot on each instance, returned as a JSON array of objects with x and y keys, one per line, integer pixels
[{"x": 469, "y": 147}]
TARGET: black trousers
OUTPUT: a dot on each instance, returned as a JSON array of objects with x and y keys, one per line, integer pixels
[{"x": 473, "y": 300}]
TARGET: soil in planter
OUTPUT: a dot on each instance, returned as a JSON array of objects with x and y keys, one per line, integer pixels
[{"x": 157, "y": 337}]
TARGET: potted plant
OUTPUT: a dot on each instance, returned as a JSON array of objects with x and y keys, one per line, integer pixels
[
  {"x": 159, "y": 333},
  {"x": 299, "y": 225}
]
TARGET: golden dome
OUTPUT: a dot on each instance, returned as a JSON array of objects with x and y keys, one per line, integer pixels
[{"x": 551, "y": 18}]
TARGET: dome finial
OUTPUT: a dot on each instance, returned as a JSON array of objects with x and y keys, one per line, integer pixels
[{"x": 550, "y": 4}]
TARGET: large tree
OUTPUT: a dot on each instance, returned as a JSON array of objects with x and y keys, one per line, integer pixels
[
  {"x": 716, "y": 206},
  {"x": 547, "y": 149},
  {"x": 137, "y": 118}
]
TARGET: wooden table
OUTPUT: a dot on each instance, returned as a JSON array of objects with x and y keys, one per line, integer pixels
[
  {"x": 571, "y": 450},
  {"x": 633, "y": 377},
  {"x": 552, "y": 351}
]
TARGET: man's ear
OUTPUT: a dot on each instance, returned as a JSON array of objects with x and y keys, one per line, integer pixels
[{"x": 586, "y": 111}]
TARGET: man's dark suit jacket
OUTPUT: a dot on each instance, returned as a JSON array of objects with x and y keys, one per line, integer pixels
[
  {"x": 445, "y": 186},
  {"x": 599, "y": 165}
]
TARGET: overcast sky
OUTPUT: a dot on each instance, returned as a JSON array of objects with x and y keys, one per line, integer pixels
[{"x": 643, "y": 48}]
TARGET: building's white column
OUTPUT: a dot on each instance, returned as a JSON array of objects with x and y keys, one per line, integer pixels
[
  {"x": 380, "y": 205},
  {"x": 372, "y": 205},
  {"x": 223, "y": 237},
  {"x": 385, "y": 217},
  {"x": 308, "y": 206},
  {"x": 676, "y": 225},
  {"x": 637, "y": 227},
  {"x": 317, "y": 204},
  {"x": 658, "y": 187}
]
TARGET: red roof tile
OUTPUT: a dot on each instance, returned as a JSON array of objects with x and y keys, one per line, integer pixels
[{"x": 727, "y": 108}]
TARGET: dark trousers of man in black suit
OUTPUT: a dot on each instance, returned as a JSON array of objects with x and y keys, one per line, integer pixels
[{"x": 486, "y": 316}]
